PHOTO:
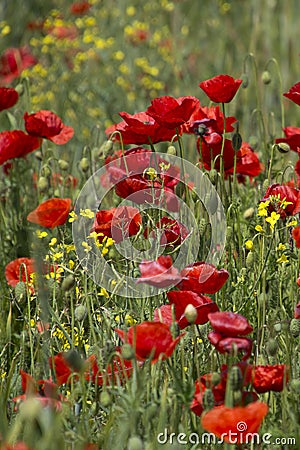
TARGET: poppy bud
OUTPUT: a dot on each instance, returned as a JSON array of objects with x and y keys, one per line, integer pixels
[
  {"x": 127, "y": 351},
  {"x": 215, "y": 378},
  {"x": 38, "y": 155},
  {"x": 272, "y": 347},
  {"x": 237, "y": 397},
  {"x": 213, "y": 176},
  {"x": 277, "y": 327},
  {"x": 135, "y": 443},
  {"x": 253, "y": 142},
  {"x": 108, "y": 145},
  {"x": 171, "y": 150},
  {"x": 236, "y": 141},
  {"x": 202, "y": 226},
  {"x": 46, "y": 171},
  {"x": 20, "y": 290},
  {"x": 250, "y": 259},
  {"x": 74, "y": 360},
  {"x": 43, "y": 184},
  {"x": 84, "y": 164},
  {"x": 80, "y": 313},
  {"x": 190, "y": 313},
  {"x": 266, "y": 77},
  {"x": 20, "y": 89},
  {"x": 63, "y": 164},
  {"x": 68, "y": 283},
  {"x": 265, "y": 185},
  {"x": 248, "y": 213},
  {"x": 236, "y": 378},
  {"x": 105, "y": 398},
  {"x": 283, "y": 147},
  {"x": 295, "y": 386},
  {"x": 295, "y": 327},
  {"x": 245, "y": 79},
  {"x": 208, "y": 399}
]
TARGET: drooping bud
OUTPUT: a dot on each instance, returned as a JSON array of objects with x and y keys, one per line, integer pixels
[
  {"x": 190, "y": 313},
  {"x": 127, "y": 351},
  {"x": 245, "y": 79},
  {"x": 250, "y": 260},
  {"x": 171, "y": 150},
  {"x": 84, "y": 164},
  {"x": 80, "y": 313},
  {"x": 213, "y": 176},
  {"x": 135, "y": 443},
  {"x": 68, "y": 283},
  {"x": 248, "y": 213},
  {"x": 63, "y": 164},
  {"x": 272, "y": 347},
  {"x": 283, "y": 147},
  {"x": 42, "y": 184},
  {"x": 105, "y": 398},
  {"x": 266, "y": 77},
  {"x": 215, "y": 378}
]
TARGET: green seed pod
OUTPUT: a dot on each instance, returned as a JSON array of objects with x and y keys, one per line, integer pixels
[
  {"x": 68, "y": 283},
  {"x": 236, "y": 378},
  {"x": 42, "y": 184},
  {"x": 213, "y": 176},
  {"x": 266, "y": 77},
  {"x": 80, "y": 313},
  {"x": 236, "y": 141},
  {"x": 245, "y": 79},
  {"x": 295, "y": 327},
  {"x": 20, "y": 290},
  {"x": 283, "y": 147},
  {"x": 272, "y": 347},
  {"x": 84, "y": 164},
  {"x": 190, "y": 313},
  {"x": 295, "y": 386},
  {"x": 127, "y": 351},
  {"x": 135, "y": 443},
  {"x": 171, "y": 150},
  {"x": 105, "y": 398},
  {"x": 63, "y": 164},
  {"x": 215, "y": 378},
  {"x": 208, "y": 399}
]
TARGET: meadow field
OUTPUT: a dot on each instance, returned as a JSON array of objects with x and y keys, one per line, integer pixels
[{"x": 149, "y": 225}]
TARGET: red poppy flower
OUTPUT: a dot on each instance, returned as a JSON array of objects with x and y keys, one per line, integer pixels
[
  {"x": 164, "y": 314},
  {"x": 203, "y": 383},
  {"x": 225, "y": 344},
  {"x": 203, "y": 305},
  {"x": 203, "y": 278},
  {"x": 12, "y": 63},
  {"x": 16, "y": 446},
  {"x": 292, "y": 138},
  {"x": 150, "y": 340},
  {"x": 170, "y": 231},
  {"x": 297, "y": 307},
  {"x": 45, "y": 391},
  {"x": 12, "y": 270},
  {"x": 296, "y": 235},
  {"x": 294, "y": 93},
  {"x": 269, "y": 378},
  {"x": 46, "y": 124},
  {"x": 140, "y": 129},
  {"x": 51, "y": 213},
  {"x": 69, "y": 32},
  {"x": 221, "y": 89},
  {"x": 8, "y": 97},
  {"x": 80, "y": 8},
  {"x": 208, "y": 119},
  {"x": 160, "y": 273},
  {"x": 118, "y": 370},
  {"x": 225, "y": 422},
  {"x": 16, "y": 144},
  {"x": 117, "y": 223},
  {"x": 170, "y": 112},
  {"x": 229, "y": 323},
  {"x": 247, "y": 161},
  {"x": 277, "y": 193},
  {"x": 61, "y": 367}
]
